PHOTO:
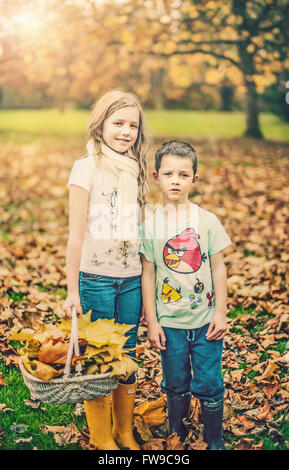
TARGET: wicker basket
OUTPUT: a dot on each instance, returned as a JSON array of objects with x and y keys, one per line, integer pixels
[{"x": 69, "y": 389}]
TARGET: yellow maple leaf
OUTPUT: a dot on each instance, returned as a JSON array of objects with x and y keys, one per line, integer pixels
[
  {"x": 47, "y": 331},
  {"x": 26, "y": 334},
  {"x": 92, "y": 369},
  {"x": 98, "y": 333},
  {"x": 40, "y": 370},
  {"x": 123, "y": 368},
  {"x": 152, "y": 411}
]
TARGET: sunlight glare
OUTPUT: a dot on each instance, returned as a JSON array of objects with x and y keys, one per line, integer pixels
[{"x": 28, "y": 21}]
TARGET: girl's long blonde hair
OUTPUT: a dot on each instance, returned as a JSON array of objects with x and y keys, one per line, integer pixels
[{"x": 102, "y": 109}]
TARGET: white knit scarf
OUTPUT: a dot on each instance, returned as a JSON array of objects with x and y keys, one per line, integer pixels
[{"x": 126, "y": 170}]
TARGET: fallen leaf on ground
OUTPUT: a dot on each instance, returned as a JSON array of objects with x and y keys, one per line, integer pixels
[
  {"x": 248, "y": 444},
  {"x": 269, "y": 371},
  {"x": 4, "y": 409},
  {"x": 173, "y": 442},
  {"x": 32, "y": 403},
  {"x": 53, "y": 429},
  {"x": 154, "y": 444},
  {"x": 152, "y": 412},
  {"x": 198, "y": 444},
  {"x": 2, "y": 381},
  {"x": 22, "y": 439}
]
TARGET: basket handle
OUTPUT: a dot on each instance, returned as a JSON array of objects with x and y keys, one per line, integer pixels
[{"x": 73, "y": 345}]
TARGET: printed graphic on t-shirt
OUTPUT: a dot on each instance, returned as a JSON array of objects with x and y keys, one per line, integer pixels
[
  {"x": 210, "y": 296},
  {"x": 111, "y": 199},
  {"x": 199, "y": 286},
  {"x": 95, "y": 260},
  {"x": 169, "y": 294},
  {"x": 182, "y": 253},
  {"x": 195, "y": 301}
]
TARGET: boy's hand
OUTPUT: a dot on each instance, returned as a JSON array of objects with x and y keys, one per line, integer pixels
[
  {"x": 218, "y": 327},
  {"x": 156, "y": 336}
]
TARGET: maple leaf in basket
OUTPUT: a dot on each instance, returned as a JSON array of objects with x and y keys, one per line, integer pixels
[
  {"x": 53, "y": 351},
  {"x": 40, "y": 335},
  {"x": 98, "y": 333},
  {"x": 40, "y": 370},
  {"x": 48, "y": 331},
  {"x": 125, "y": 367},
  {"x": 104, "y": 354}
]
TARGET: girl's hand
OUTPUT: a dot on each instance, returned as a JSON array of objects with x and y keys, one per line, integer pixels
[
  {"x": 156, "y": 336},
  {"x": 72, "y": 300},
  {"x": 142, "y": 315},
  {"x": 218, "y": 327}
]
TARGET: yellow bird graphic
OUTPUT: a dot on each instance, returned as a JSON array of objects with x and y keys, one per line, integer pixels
[{"x": 169, "y": 294}]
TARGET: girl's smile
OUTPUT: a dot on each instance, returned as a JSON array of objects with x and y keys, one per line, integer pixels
[{"x": 120, "y": 129}]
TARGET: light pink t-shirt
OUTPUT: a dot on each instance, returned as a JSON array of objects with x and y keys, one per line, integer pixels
[{"x": 102, "y": 252}]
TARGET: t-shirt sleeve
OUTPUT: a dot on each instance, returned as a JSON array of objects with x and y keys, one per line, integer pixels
[
  {"x": 218, "y": 237},
  {"x": 146, "y": 246},
  {"x": 82, "y": 174}
]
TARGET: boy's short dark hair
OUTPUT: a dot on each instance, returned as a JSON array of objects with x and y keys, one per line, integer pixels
[{"x": 179, "y": 149}]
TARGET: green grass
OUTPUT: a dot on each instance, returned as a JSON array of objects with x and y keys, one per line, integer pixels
[
  {"x": 25, "y": 422},
  {"x": 239, "y": 311},
  {"x": 162, "y": 123},
  {"x": 181, "y": 123}
]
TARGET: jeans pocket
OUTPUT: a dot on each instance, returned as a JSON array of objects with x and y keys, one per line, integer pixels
[{"x": 90, "y": 277}]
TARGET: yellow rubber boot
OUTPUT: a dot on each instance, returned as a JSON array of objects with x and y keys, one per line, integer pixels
[
  {"x": 98, "y": 416},
  {"x": 123, "y": 398}
]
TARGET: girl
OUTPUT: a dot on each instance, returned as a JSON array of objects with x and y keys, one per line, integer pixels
[{"x": 106, "y": 190}]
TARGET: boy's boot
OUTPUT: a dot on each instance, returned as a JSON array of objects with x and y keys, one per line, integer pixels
[
  {"x": 178, "y": 409},
  {"x": 98, "y": 416},
  {"x": 213, "y": 425},
  {"x": 123, "y": 398}
]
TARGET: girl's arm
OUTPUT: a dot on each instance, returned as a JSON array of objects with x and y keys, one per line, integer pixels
[
  {"x": 78, "y": 204},
  {"x": 156, "y": 335},
  {"x": 218, "y": 326}
]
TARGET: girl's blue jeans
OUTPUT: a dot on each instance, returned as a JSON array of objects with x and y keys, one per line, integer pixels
[
  {"x": 114, "y": 298},
  {"x": 192, "y": 365}
]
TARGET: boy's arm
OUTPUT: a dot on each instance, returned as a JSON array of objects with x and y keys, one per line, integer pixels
[
  {"x": 218, "y": 326},
  {"x": 156, "y": 335}
]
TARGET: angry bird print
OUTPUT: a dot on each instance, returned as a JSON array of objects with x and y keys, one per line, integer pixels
[
  {"x": 182, "y": 253},
  {"x": 169, "y": 294},
  {"x": 210, "y": 296}
]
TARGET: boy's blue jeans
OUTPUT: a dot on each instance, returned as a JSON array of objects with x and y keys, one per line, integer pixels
[
  {"x": 114, "y": 298},
  {"x": 187, "y": 351}
]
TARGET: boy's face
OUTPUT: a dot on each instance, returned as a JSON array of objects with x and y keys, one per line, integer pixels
[{"x": 175, "y": 178}]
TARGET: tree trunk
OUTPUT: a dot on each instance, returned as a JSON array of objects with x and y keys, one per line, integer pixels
[
  {"x": 227, "y": 97},
  {"x": 252, "y": 112},
  {"x": 239, "y": 8},
  {"x": 157, "y": 87}
]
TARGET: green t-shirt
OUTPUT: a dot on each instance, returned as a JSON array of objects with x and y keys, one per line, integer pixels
[{"x": 184, "y": 286}]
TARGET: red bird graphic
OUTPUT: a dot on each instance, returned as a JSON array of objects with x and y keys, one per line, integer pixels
[{"x": 183, "y": 253}]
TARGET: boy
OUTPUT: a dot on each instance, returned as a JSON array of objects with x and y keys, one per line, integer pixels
[{"x": 184, "y": 293}]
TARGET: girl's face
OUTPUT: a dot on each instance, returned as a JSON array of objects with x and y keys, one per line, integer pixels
[{"x": 120, "y": 129}]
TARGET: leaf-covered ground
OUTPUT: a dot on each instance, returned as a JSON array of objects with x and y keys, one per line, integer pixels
[{"x": 246, "y": 184}]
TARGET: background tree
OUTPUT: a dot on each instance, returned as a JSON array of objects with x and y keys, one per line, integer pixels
[
  {"x": 250, "y": 35},
  {"x": 172, "y": 53}
]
